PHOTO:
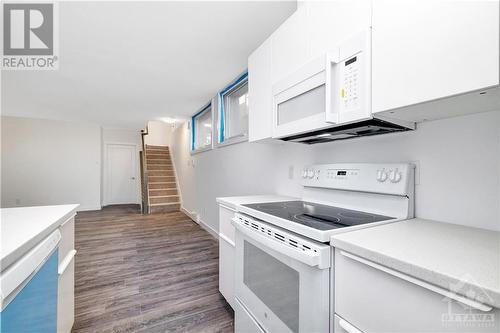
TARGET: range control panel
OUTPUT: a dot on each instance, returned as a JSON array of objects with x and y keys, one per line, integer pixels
[{"x": 365, "y": 177}]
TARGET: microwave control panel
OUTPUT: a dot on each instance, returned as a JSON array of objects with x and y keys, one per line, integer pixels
[{"x": 350, "y": 83}]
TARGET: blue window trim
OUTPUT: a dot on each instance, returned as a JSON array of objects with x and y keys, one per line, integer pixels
[
  {"x": 193, "y": 124},
  {"x": 243, "y": 77}
]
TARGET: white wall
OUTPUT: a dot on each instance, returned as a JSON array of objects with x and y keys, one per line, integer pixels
[
  {"x": 46, "y": 162},
  {"x": 159, "y": 133},
  {"x": 458, "y": 159},
  {"x": 238, "y": 169},
  {"x": 120, "y": 136}
]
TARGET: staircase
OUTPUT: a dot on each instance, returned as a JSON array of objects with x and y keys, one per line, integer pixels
[{"x": 162, "y": 186}]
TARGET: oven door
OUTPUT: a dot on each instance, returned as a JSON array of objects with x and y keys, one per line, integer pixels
[{"x": 284, "y": 291}]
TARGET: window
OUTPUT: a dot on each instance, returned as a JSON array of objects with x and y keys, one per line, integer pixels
[
  {"x": 233, "y": 111},
  {"x": 201, "y": 129}
]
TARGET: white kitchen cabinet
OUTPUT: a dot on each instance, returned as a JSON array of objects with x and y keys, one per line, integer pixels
[
  {"x": 66, "y": 283},
  {"x": 425, "y": 50},
  {"x": 331, "y": 22},
  {"x": 226, "y": 254},
  {"x": 260, "y": 93},
  {"x": 290, "y": 45},
  {"x": 315, "y": 28},
  {"x": 373, "y": 298}
]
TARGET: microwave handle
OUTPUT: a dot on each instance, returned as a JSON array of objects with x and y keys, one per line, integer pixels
[
  {"x": 310, "y": 260},
  {"x": 332, "y": 59}
]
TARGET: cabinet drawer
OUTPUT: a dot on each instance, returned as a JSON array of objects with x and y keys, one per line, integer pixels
[
  {"x": 226, "y": 229},
  {"x": 373, "y": 300},
  {"x": 67, "y": 243}
]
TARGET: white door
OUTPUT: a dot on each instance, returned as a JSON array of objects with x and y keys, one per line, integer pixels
[{"x": 121, "y": 171}]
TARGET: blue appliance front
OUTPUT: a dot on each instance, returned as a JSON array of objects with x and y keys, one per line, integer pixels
[{"x": 34, "y": 309}]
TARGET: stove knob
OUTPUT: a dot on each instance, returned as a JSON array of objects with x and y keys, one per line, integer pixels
[
  {"x": 304, "y": 173},
  {"x": 310, "y": 173},
  {"x": 381, "y": 175},
  {"x": 395, "y": 176}
]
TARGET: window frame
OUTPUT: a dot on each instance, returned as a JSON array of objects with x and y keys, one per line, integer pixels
[
  {"x": 192, "y": 143},
  {"x": 233, "y": 86}
]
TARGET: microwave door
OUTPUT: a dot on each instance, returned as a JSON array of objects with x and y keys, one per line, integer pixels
[
  {"x": 348, "y": 81},
  {"x": 299, "y": 100}
]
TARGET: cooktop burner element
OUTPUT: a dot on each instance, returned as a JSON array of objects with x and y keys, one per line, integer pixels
[{"x": 317, "y": 216}]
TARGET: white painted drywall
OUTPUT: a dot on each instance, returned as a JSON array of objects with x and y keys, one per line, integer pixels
[
  {"x": 458, "y": 158},
  {"x": 46, "y": 162},
  {"x": 111, "y": 136},
  {"x": 118, "y": 135},
  {"x": 237, "y": 169},
  {"x": 159, "y": 133}
]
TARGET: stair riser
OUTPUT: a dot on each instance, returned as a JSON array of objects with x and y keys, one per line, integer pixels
[
  {"x": 164, "y": 209},
  {"x": 162, "y": 173},
  {"x": 157, "y": 156},
  {"x": 162, "y": 186},
  {"x": 162, "y": 192},
  {"x": 154, "y": 167},
  {"x": 157, "y": 147},
  {"x": 161, "y": 161},
  {"x": 161, "y": 179},
  {"x": 163, "y": 200}
]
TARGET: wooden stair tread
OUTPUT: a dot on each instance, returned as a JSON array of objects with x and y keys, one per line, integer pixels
[
  {"x": 162, "y": 192},
  {"x": 165, "y": 203}
]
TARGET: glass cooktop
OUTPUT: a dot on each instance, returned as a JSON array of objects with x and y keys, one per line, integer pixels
[{"x": 321, "y": 217}]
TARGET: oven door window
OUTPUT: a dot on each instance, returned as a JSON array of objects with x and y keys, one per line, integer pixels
[{"x": 274, "y": 283}]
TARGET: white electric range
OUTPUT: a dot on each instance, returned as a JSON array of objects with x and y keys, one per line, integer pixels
[{"x": 283, "y": 273}]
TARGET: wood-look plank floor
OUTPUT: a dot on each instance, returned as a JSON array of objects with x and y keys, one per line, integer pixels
[{"x": 146, "y": 273}]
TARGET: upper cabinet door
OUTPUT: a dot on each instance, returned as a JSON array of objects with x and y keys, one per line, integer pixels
[
  {"x": 260, "y": 93},
  {"x": 332, "y": 22},
  {"x": 429, "y": 49},
  {"x": 290, "y": 48}
]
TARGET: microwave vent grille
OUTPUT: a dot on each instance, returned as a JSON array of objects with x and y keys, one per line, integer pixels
[{"x": 368, "y": 127}]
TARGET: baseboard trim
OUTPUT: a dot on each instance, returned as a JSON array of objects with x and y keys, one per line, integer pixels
[
  {"x": 196, "y": 219},
  {"x": 88, "y": 208}
]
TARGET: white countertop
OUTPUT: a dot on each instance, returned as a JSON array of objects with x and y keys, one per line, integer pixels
[
  {"x": 21, "y": 228},
  {"x": 442, "y": 254},
  {"x": 234, "y": 202}
]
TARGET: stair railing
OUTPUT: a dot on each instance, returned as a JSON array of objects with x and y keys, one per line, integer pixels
[{"x": 144, "y": 174}]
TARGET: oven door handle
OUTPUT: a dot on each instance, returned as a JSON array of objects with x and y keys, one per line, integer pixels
[{"x": 279, "y": 246}]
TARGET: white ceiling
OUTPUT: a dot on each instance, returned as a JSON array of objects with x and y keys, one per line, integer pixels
[{"x": 124, "y": 63}]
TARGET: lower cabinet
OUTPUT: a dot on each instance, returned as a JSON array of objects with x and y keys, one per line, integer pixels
[
  {"x": 226, "y": 270},
  {"x": 226, "y": 254},
  {"x": 66, "y": 280},
  {"x": 66, "y": 298},
  {"x": 372, "y": 298}
]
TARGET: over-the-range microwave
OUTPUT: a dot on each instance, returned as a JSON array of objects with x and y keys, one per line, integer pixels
[{"x": 329, "y": 98}]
